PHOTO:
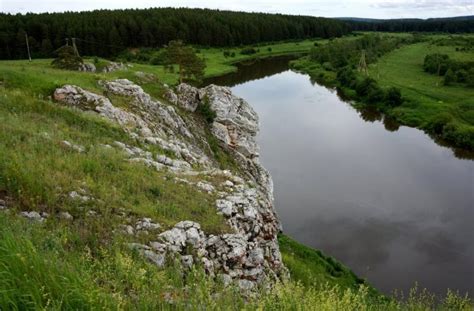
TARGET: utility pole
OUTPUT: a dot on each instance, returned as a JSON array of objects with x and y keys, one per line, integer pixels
[
  {"x": 363, "y": 64},
  {"x": 76, "y": 52},
  {"x": 28, "y": 46}
]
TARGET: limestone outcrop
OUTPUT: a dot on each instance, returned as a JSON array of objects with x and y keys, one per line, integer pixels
[{"x": 247, "y": 256}]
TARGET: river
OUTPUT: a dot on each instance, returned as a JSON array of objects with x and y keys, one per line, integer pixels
[{"x": 384, "y": 199}]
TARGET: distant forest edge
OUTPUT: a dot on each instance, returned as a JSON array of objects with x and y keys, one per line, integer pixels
[
  {"x": 460, "y": 24},
  {"x": 105, "y": 32}
]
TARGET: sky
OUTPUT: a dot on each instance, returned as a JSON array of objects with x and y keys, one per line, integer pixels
[{"x": 326, "y": 8}]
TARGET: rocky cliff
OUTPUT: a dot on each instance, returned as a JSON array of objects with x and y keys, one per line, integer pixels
[{"x": 247, "y": 255}]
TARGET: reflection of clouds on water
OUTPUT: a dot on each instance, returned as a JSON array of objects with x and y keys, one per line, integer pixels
[
  {"x": 358, "y": 244},
  {"x": 394, "y": 206},
  {"x": 439, "y": 247},
  {"x": 370, "y": 246}
]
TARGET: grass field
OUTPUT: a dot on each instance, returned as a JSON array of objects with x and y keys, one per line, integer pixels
[{"x": 403, "y": 68}]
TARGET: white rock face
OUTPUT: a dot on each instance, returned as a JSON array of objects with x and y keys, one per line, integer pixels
[
  {"x": 236, "y": 116},
  {"x": 250, "y": 254},
  {"x": 87, "y": 67},
  {"x": 147, "y": 119},
  {"x": 113, "y": 66}
]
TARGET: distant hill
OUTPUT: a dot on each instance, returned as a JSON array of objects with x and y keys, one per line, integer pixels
[{"x": 458, "y": 24}]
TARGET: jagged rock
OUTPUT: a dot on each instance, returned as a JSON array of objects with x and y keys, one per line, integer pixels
[
  {"x": 157, "y": 259},
  {"x": 225, "y": 207},
  {"x": 205, "y": 186},
  {"x": 127, "y": 229},
  {"x": 187, "y": 261},
  {"x": 72, "y": 146},
  {"x": 34, "y": 216},
  {"x": 76, "y": 196},
  {"x": 235, "y": 117},
  {"x": 113, "y": 66},
  {"x": 65, "y": 216},
  {"x": 250, "y": 254},
  {"x": 87, "y": 67},
  {"x": 158, "y": 247},
  {"x": 146, "y": 224},
  {"x": 228, "y": 183},
  {"x": 246, "y": 285},
  {"x": 187, "y": 97}
]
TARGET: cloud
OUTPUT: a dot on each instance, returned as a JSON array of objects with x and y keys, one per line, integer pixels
[{"x": 466, "y": 6}]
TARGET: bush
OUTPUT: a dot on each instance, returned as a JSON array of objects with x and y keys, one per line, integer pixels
[
  {"x": 437, "y": 123},
  {"x": 226, "y": 53},
  {"x": 346, "y": 76},
  {"x": 363, "y": 86},
  {"x": 375, "y": 94},
  {"x": 204, "y": 109},
  {"x": 67, "y": 59},
  {"x": 269, "y": 49},
  {"x": 248, "y": 51},
  {"x": 436, "y": 63},
  {"x": 232, "y": 54},
  {"x": 393, "y": 97}
]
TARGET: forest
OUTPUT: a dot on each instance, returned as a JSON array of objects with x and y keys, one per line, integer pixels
[
  {"x": 105, "y": 33},
  {"x": 449, "y": 25}
]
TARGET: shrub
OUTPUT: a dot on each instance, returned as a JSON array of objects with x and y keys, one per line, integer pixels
[
  {"x": 436, "y": 63},
  {"x": 375, "y": 94},
  {"x": 206, "y": 111},
  {"x": 67, "y": 59},
  {"x": 438, "y": 122},
  {"x": 346, "y": 76},
  {"x": 269, "y": 49},
  {"x": 327, "y": 66},
  {"x": 363, "y": 86},
  {"x": 393, "y": 97},
  {"x": 232, "y": 54},
  {"x": 248, "y": 51},
  {"x": 226, "y": 53}
]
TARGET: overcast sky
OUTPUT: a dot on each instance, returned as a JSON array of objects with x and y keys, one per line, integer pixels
[{"x": 328, "y": 8}]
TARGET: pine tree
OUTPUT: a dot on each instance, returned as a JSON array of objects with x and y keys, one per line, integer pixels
[{"x": 190, "y": 66}]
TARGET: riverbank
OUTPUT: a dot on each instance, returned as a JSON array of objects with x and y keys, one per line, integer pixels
[{"x": 443, "y": 111}]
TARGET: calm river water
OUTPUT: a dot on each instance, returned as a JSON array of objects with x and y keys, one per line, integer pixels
[{"x": 385, "y": 200}]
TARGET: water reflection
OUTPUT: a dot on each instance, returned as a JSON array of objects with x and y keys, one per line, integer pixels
[
  {"x": 252, "y": 70},
  {"x": 385, "y": 199}
]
